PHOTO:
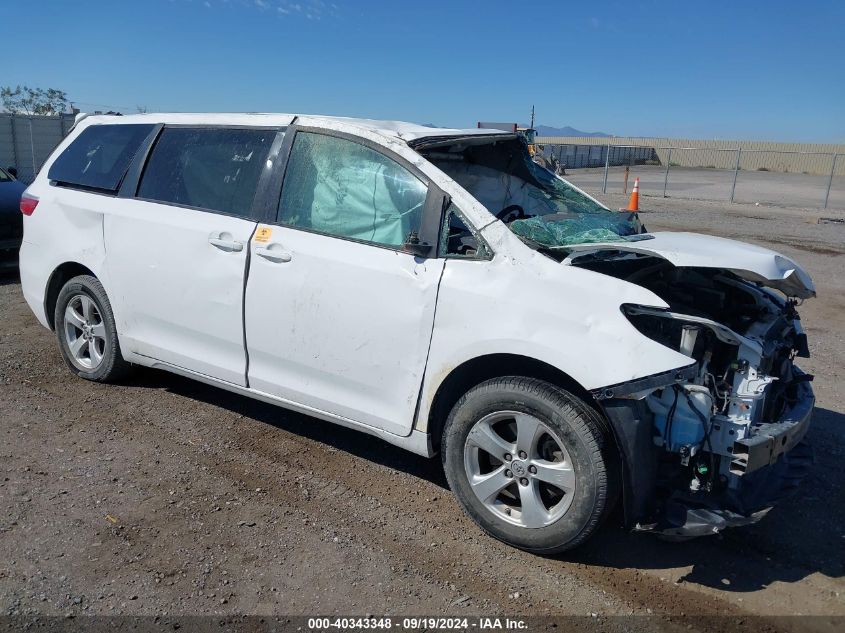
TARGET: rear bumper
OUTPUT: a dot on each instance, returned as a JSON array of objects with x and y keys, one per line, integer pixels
[{"x": 35, "y": 274}]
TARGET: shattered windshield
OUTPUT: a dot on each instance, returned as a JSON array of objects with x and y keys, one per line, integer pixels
[{"x": 536, "y": 205}]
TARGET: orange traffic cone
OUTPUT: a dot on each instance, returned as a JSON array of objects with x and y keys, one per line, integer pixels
[{"x": 634, "y": 202}]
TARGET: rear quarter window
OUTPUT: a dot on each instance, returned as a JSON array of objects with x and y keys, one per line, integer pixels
[{"x": 99, "y": 157}]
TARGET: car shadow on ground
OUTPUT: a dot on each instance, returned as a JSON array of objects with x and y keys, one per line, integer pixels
[
  {"x": 344, "y": 439},
  {"x": 788, "y": 545}
]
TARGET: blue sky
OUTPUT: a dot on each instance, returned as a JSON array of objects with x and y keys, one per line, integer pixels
[{"x": 759, "y": 70}]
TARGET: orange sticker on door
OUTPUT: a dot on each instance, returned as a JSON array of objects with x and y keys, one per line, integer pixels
[{"x": 263, "y": 233}]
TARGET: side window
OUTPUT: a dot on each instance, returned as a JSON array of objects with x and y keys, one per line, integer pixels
[
  {"x": 458, "y": 240},
  {"x": 209, "y": 168},
  {"x": 99, "y": 157},
  {"x": 342, "y": 188}
]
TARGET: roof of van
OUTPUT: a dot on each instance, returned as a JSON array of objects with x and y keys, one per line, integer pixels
[{"x": 397, "y": 129}]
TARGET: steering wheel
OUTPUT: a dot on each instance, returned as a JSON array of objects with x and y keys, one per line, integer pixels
[{"x": 504, "y": 214}]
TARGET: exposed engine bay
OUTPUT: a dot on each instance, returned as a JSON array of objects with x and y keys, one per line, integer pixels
[{"x": 731, "y": 416}]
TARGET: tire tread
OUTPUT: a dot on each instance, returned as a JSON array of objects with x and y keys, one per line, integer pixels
[
  {"x": 590, "y": 426},
  {"x": 114, "y": 367}
]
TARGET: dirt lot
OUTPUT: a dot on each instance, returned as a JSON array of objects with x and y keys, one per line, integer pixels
[{"x": 162, "y": 495}]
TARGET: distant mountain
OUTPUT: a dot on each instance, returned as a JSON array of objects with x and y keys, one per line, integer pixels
[{"x": 547, "y": 130}]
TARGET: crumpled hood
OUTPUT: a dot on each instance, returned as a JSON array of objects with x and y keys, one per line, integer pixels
[{"x": 694, "y": 250}]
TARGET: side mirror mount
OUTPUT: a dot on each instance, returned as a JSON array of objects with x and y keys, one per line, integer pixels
[
  {"x": 414, "y": 246},
  {"x": 12, "y": 171}
]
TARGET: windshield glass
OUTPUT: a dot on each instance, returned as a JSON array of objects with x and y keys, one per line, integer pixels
[{"x": 538, "y": 206}]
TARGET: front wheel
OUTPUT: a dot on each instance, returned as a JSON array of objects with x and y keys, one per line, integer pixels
[
  {"x": 86, "y": 331},
  {"x": 529, "y": 462}
]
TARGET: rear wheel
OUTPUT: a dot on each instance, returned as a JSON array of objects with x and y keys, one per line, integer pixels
[
  {"x": 529, "y": 462},
  {"x": 86, "y": 331}
]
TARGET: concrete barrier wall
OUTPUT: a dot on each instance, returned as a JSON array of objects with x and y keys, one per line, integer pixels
[
  {"x": 806, "y": 158},
  {"x": 26, "y": 141}
]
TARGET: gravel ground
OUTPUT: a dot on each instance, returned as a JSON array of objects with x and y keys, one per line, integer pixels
[{"x": 161, "y": 495}]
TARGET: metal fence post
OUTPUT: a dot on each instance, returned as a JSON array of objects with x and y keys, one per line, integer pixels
[
  {"x": 32, "y": 149},
  {"x": 666, "y": 175},
  {"x": 14, "y": 142},
  {"x": 736, "y": 171},
  {"x": 606, "y": 165},
  {"x": 830, "y": 180}
]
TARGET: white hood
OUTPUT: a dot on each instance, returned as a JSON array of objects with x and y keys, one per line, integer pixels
[{"x": 694, "y": 250}]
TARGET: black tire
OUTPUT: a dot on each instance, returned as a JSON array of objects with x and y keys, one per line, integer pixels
[
  {"x": 584, "y": 434},
  {"x": 112, "y": 366}
]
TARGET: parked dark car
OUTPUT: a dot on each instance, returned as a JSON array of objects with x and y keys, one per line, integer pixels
[{"x": 11, "y": 220}]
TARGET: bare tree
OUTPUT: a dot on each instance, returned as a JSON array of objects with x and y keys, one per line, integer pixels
[{"x": 26, "y": 100}]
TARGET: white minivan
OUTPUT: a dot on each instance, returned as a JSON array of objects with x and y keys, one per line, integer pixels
[{"x": 438, "y": 289}]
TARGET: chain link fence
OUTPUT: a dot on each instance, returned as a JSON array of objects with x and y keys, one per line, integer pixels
[{"x": 787, "y": 178}]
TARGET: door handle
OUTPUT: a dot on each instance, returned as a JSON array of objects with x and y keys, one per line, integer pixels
[
  {"x": 227, "y": 246},
  {"x": 276, "y": 255}
]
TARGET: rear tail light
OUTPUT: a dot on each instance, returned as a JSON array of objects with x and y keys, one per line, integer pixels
[{"x": 28, "y": 204}]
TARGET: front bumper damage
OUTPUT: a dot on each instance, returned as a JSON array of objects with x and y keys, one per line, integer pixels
[
  {"x": 720, "y": 441},
  {"x": 770, "y": 441},
  {"x": 769, "y": 464}
]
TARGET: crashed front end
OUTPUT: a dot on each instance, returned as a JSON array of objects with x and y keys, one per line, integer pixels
[
  {"x": 717, "y": 443},
  {"x": 709, "y": 444}
]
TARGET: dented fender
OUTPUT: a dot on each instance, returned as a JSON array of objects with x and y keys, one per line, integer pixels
[
  {"x": 75, "y": 236},
  {"x": 526, "y": 304}
]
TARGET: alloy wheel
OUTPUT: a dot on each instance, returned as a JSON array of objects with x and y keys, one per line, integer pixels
[
  {"x": 85, "y": 332},
  {"x": 519, "y": 469}
]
